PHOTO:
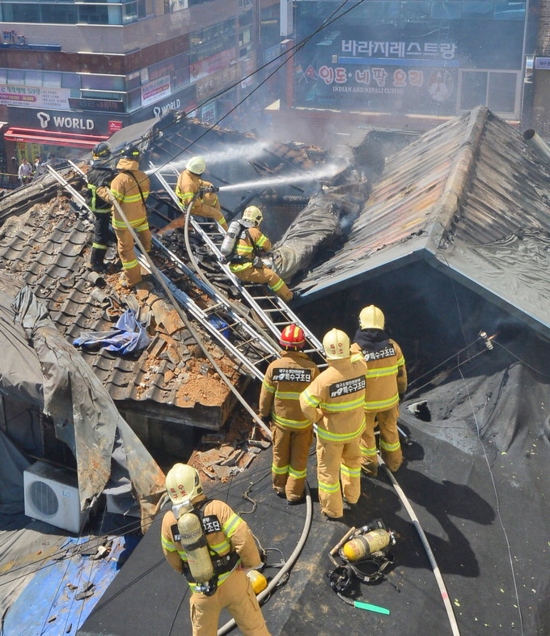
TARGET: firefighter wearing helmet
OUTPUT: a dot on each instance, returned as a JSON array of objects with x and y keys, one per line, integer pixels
[
  {"x": 335, "y": 401},
  {"x": 386, "y": 384},
  {"x": 192, "y": 188},
  {"x": 209, "y": 544},
  {"x": 100, "y": 175},
  {"x": 284, "y": 380},
  {"x": 246, "y": 262},
  {"x": 130, "y": 188}
]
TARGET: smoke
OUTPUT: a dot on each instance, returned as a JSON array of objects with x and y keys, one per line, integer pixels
[{"x": 248, "y": 152}]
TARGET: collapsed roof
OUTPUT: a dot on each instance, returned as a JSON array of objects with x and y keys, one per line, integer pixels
[{"x": 469, "y": 198}]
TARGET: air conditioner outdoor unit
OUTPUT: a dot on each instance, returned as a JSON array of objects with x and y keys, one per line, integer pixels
[
  {"x": 51, "y": 495},
  {"x": 123, "y": 505}
]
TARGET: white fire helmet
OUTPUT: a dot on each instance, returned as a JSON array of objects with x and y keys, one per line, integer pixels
[
  {"x": 196, "y": 165},
  {"x": 253, "y": 215},
  {"x": 371, "y": 318},
  {"x": 336, "y": 345},
  {"x": 183, "y": 484}
]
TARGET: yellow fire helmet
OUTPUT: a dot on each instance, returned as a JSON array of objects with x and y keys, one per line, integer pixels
[
  {"x": 336, "y": 345},
  {"x": 371, "y": 318},
  {"x": 253, "y": 215},
  {"x": 196, "y": 165},
  {"x": 183, "y": 484}
]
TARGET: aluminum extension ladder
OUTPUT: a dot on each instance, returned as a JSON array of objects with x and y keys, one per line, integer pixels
[
  {"x": 273, "y": 311},
  {"x": 246, "y": 345}
]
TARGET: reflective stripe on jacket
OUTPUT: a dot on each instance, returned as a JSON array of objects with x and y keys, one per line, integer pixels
[
  {"x": 283, "y": 382},
  {"x": 336, "y": 400},
  {"x": 125, "y": 190},
  {"x": 187, "y": 186},
  {"x": 386, "y": 376},
  {"x": 235, "y": 536},
  {"x": 251, "y": 240}
]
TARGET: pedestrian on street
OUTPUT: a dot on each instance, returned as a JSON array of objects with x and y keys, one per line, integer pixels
[{"x": 24, "y": 173}]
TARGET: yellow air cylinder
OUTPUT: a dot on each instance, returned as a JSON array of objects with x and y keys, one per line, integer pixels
[
  {"x": 194, "y": 543},
  {"x": 363, "y": 545},
  {"x": 258, "y": 581}
]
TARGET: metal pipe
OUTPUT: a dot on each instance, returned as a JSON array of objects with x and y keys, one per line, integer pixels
[{"x": 537, "y": 144}]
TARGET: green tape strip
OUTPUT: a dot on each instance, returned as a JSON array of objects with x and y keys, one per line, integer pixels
[{"x": 371, "y": 608}]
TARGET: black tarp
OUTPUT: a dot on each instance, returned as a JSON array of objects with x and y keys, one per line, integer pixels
[
  {"x": 84, "y": 415},
  {"x": 477, "y": 477}
]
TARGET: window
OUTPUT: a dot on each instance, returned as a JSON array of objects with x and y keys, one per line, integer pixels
[
  {"x": 58, "y": 14},
  {"x": 33, "y": 78},
  {"x": 496, "y": 90},
  {"x": 51, "y": 80},
  {"x": 446, "y": 10},
  {"x": 94, "y": 14},
  {"x": 16, "y": 77},
  {"x": 102, "y": 82}
]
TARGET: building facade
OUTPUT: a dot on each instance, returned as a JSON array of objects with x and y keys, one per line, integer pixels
[
  {"x": 73, "y": 73},
  {"x": 410, "y": 64}
]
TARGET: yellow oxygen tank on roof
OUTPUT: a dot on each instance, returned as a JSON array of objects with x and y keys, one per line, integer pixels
[
  {"x": 194, "y": 543},
  {"x": 363, "y": 545}
]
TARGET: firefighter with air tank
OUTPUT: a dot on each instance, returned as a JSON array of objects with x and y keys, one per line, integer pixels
[
  {"x": 283, "y": 382},
  {"x": 248, "y": 245},
  {"x": 335, "y": 401},
  {"x": 207, "y": 542},
  {"x": 386, "y": 384}
]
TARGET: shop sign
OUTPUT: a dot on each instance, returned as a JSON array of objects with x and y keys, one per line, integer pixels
[
  {"x": 100, "y": 105},
  {"x": 212, "y": 64},
  {"x": 155, "y": 91},
  {"x": 542, "y": 63},
  {"x": 215, "y": 82},
  {"x": 59, "y": 121},
  {"x": 34, "y": 97},
  {"x": 114, "y": 126}
]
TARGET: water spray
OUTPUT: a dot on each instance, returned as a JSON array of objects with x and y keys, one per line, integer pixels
[{"x": 330, "y": 170}]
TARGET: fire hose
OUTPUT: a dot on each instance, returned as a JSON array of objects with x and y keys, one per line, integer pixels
[{"x": 157, "y": 275}]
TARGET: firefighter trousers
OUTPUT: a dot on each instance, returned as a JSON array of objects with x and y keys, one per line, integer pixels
[
  {"x": 290, "y": 455},
  {"x": 265, "y": 275},
  {"x": 102, "y": 232},
  {"x": 237, "y": 596},
  {"x": 390, "y": 447},
  {"x": 125, "y": 244},
  {"x": 206, "y": 211},
  {"x": 338, "y": 462}
]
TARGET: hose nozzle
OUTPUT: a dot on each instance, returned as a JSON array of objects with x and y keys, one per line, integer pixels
[{"x": 486, "y": 340}]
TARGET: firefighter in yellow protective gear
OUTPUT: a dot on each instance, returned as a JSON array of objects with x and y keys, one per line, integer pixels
[
  {"x": 386, "y": 383},
  {"x": 130, "y": 188},
  {"x": 231, "y": 546},
  {"x": 206, "y": 202},
  {"x": 283, "y": 382},
  {"x": 246, "y": 262},
  {"x": 335, "y": 401}
]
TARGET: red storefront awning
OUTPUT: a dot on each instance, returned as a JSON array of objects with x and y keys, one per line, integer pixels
[{"x": 35, "y": 136}]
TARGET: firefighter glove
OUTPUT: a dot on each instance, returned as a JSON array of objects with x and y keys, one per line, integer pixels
[
  {"x": 258, "y": 263},
  {"x": 266, "y": 419},
  {"x": 401, "y": 397}
]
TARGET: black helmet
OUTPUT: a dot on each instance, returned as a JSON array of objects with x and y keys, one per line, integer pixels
[
  {"x": 101, "y": 151},
  {"x": 131, "y": 152}
]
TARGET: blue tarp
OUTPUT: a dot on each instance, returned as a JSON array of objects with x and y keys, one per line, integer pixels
[
  {"x": 48, "y": 605},
  {"x": 128, "y": 337}
]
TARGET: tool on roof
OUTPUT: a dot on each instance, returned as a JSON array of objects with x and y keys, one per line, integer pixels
[{"x": 364, "y": 555}]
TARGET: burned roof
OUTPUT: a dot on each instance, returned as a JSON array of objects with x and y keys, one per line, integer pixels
[{"x": 470, "y": 198}]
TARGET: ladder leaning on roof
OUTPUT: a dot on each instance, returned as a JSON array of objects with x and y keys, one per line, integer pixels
[
  {"x": 246, "y": 344},
  {"x": 273, "y": 311}
]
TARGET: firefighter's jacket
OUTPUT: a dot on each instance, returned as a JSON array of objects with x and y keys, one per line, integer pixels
[
  {"x": 225, "y": 533},
  {"x": 99, "y": 176},
  {"x": 130, "y": 188},
  {"x": 283, "y": 382},
  {"x": 251, "y": 243},
  {"x": 386, "y": 374},
  {"x": 336, "y": 400},
  {"x": 187, "y": 186}
]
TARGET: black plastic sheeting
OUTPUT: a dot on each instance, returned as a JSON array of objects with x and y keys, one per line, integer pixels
[
  {"x": 319, "y": 226},
  {"x": 477, "y": 477},
  {"x": 84, "y": 415}
]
